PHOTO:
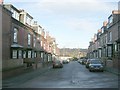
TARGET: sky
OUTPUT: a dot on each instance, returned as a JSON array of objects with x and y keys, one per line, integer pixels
[{"x": 72, "y": 22}]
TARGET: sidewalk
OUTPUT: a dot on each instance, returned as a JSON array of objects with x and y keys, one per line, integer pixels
[
  {"x": 112, "y": 70},
  {"x": 27, "y": 75}
]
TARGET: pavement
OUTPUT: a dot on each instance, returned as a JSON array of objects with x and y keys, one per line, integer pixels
[
  {"x": 25, "y": 76},
  {"x": 112, "y": 70}
]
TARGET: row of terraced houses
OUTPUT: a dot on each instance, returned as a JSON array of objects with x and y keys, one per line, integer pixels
[
  {"x": 106, "y": 43},
  {"x": 24, "y": 42}
]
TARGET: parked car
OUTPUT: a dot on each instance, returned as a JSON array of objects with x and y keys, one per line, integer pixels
[
  {"x": 96, "y": 65},
  {"x": 57, "y": 64},
  {"x": 88, "y": 62},
  {"x": 79, "y": 60},
  {"x": 65, "y": 62},
  {"x": 84, "y": 61}
]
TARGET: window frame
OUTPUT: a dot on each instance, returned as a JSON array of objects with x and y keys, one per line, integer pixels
[
  {"x": 14, "y": 54},
  {"x": 15, "y": 35},
  {"x": 29, "y": 39}
]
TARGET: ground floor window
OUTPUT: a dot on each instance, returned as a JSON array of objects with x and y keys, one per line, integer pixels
[
  {"x": 104, "y": 52},
  {"x": 100, "y": 51},
  {"x": 109, "y": 51},
  {"x": 118, "y": 46},
  {"x": 42, "y": 55},
  {"x": 20, "y": 54},
  {"x": 29, "y": 54},
  {"x": 14, "y": 53},
  {"x": 24, "y": 54},
  {"x": 35, "y": 54}
]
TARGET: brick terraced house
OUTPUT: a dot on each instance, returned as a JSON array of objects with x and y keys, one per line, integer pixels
[{"x": 25, "y": 43}]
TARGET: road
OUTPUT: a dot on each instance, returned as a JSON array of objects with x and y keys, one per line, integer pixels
[{"x": 72, "y": 75}]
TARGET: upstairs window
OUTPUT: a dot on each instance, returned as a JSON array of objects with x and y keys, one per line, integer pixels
[
  {"x": 110, "y": 36},
  {"x": 34, "y": 42},
  {"x": 15, "y": 35},
  {"x": 29, "y": 39},
  {"x": 29, "y": 54}
]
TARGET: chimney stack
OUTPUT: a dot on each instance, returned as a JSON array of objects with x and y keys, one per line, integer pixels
[
  {"x": 105, "y": 23},
  {"x": 1, "y": 1},
  {"x": 99, "y": 30}
]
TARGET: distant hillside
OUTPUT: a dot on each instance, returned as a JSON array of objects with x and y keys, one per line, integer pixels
[{"x": 75, "y": 52}]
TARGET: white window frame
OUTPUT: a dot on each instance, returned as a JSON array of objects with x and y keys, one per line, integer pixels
[
  {"x": 29, "y": 54},
  {"x": 109, "y": 51},
  {"x": 15, "y": 35},
  {"x": 34, "y": 42},
  {"x": 33, "y": 54},
  {"x": 110, "y": 20},
  {"x": 20, "y": 54},
  {"x": 29, "y": 39},
  {"x": 14, "y": 54},
  {"x": 24, "y": 54},
  {"x": 110, "y": 36}
]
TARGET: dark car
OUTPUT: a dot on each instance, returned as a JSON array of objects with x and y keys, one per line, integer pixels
[
  {"x": 65, "y": 61},
  {"x": 57, "y": 64},
  {"x": 84, "y": 61},
  {"x": 96, "y": 65},
  {"x": 88, "y": 62}
]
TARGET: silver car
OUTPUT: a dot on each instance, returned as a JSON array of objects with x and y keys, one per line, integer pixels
[{"x": 57, "y": 64}]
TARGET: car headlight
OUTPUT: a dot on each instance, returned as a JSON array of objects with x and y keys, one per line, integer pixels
[
  {"x": 91, "y": 66},
  {"x": 101, "y": 66}
]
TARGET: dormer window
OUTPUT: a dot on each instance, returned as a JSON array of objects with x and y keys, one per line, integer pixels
[
  {"x": 15, "y": 14},
  {"x": 28, "y": 20},
  {"x": 110, "y": 19}
]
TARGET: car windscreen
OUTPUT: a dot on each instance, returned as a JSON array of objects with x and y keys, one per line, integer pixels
[{"x": 95, "y": 62}]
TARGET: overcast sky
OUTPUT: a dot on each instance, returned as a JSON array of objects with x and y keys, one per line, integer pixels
[{"x": 72, "y": 22}]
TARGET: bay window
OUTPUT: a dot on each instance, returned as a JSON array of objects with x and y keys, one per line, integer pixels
[{"x": 14, "y": 53}]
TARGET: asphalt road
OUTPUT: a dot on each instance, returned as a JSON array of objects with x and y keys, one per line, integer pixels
[{"x": 72, "y": 75}]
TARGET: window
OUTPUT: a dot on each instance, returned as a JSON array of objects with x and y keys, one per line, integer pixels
[
  {"x": 100, "y": 55},
  {"x": 29, "y": 39},
  {"x": 29, "y": 54},
  {"x": 14, "y": 54},
  {"x": 109, "y": 51},
  {"x": 41, "y": 43},
  {"x": 110, "y": 19},
  {"x": 24, "y": 54},
  {"x": 34, "y": 42},
  {"x": 15, "y": 35},
  {"x": 28, "y": 20},
  {"x": 110, "y": 36},
  {"x": 42, "y": 55},
  {"x": 32, "y": 54},
  {"x": 20, "y": 54},
  {"x": 35, "y": 54},
  {"x": 15, "y": 14}
]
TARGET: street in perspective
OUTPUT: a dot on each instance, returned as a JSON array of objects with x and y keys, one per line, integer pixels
[
  {"x": 60, "y": 44},
  {"x": 65, "y": 77}
]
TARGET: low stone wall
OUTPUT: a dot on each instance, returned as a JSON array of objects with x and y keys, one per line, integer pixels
[
  {"x": 109, "y": 63},
  {"x": 12, "y": 63}
]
